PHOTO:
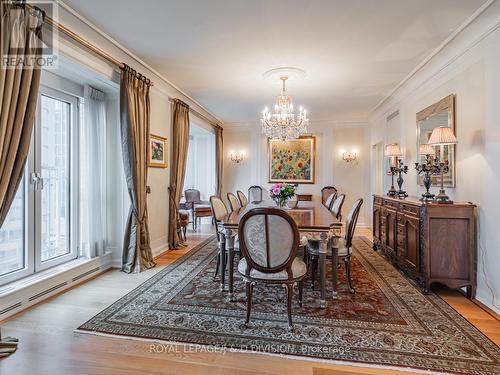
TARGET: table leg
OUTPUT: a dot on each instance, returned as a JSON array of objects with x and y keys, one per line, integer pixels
[
  {"x": 230, "y": 244},
  {"x": 222, "y": 262},
  {"x": 323, "y": 246},
  {"x": 335, "y": 265}
]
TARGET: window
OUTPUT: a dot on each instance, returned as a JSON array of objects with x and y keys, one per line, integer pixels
[
  {"x": 40, "y": 230},
  {"x": 12, "y": 237},
  {"x": 55, "y": 162}
]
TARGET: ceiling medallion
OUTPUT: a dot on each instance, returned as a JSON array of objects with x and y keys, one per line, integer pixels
[{"x": 282, "y": 123}]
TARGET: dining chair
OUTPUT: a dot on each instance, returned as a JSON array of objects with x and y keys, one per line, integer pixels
[
  {"x": 255, "y": 193},
  {"x": 326, "y": 191},
  {"x": 197, "y": 207},
  {"x": 344, "y": 246},
  {"x": 242, "y": 197},
  {"x": 337, "y": 206},
  {"x": 329, "y": 201},
  {"x": 269, "y": 241},
  {"x": 234, "y": 202},
  {"x": 219, "y": 211}
]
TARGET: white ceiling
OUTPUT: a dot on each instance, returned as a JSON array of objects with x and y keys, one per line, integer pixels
[{"x": 354, "y": 51}]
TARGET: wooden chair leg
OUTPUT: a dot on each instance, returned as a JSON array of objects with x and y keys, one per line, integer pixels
[
  {"x": 347, "y": 262},
  {"x": 289, "y": 290},
  {"x": 249, "y": 289}
]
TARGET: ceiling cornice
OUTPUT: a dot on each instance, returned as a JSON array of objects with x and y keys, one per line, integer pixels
[
  {"x": 441, "y": 47},
  {"x": 137, "y": 59}
]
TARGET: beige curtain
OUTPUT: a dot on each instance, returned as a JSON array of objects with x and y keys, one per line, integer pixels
[
  {"x": 219, "y": 157},
  {"x": 21, "y": 33},
  {"x": 180, "y": 144},
  {"x": 19, "y": 84},
  {"x": 134, "y": 116}
]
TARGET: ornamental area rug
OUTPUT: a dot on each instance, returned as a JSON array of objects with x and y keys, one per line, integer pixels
[{"x": 388, "y": 322}]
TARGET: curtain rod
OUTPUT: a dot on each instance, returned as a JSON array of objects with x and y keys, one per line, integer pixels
[
  {"x": 77, "y": 38},
  {"x": 214, "y": 124}
]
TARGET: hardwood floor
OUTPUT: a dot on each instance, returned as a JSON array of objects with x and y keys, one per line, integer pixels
[{"x": 48, "y": 344}]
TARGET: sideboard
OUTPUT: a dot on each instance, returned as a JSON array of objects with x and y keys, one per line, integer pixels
[{"x": 433, "y": 243}]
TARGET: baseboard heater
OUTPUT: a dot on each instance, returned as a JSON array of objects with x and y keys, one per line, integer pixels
[{"x": 20, "y": 300}]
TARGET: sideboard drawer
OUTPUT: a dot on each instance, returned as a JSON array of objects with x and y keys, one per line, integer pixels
[{"x": 410, "y": 210}]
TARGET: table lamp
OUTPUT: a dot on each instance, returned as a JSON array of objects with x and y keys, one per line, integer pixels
[
  {"x": 394, "y": 152},
  {"x": 442, "y": 136}
]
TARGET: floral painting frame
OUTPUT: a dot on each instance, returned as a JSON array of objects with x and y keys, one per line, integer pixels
[
  {"x": 157, "y": 151},
  {"x": 292, "y": 161}
]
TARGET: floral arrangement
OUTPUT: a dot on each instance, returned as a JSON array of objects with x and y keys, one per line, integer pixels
[{"x": 280, "y": 193}]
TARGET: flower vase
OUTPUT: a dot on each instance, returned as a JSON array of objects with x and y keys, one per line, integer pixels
[{"x": 280, "y": 202}]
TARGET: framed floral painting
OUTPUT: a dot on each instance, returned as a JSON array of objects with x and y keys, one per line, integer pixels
[
  {"x": 292, "y": 161},
  {"x": 157, "y": 151}
]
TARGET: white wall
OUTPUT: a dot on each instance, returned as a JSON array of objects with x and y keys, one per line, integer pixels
[
  {"x": 161, "y": 118},
  {"x": 352, "y": 180},
  {"x": 469, "y": 68}
]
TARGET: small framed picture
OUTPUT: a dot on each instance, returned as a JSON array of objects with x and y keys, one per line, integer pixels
[{"x": 157, "y": 151}]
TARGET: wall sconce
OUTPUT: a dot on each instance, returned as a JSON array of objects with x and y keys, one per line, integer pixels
[
  {"x": 237, "y": 157},
  {"x": 349, "y": 157}
]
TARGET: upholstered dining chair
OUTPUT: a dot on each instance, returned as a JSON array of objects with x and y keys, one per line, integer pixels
[
  {"x": 194, "y": 203},
  {"x": 255, "y": 193},
  {"x": 329, "y": 201},
  {"x": 326, "y": 191},
  {"x": 269, "y": 241},
  {"x": 345, "y": 245},
  {"x": 337, "y": 206},
  {"x": 242, "y": 197},
  {"x": 219, "y": 210},
  {"x": 234, "y": 202}
]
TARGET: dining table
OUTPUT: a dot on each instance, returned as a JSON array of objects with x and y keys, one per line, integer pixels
[{"x": 314, "y": 221}]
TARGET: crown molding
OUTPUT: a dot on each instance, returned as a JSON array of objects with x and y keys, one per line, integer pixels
[
  {"x": 138, "y": 60},
  {"x": 386, "y": 102}
]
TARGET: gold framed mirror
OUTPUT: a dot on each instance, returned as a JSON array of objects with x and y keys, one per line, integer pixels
[{"x": 438, "y": 114}]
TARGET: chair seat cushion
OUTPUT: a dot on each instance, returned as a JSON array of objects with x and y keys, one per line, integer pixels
[
  {"x": 299, "y": 269},
  {"x": 313, "y": 247},
  {"x": 202, "y": 207}
]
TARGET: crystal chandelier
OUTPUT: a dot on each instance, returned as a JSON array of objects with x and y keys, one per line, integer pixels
[{"x": 282, "y": 123}]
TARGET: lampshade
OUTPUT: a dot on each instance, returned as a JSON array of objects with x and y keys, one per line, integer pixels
[
  {"x": 392, "y": 150},
  {"x": 442, "y": 136},
  {"x": 426, "y": 150}
]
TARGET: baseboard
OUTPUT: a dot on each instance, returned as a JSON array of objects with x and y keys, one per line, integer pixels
[
  {"x": 24, "y": 293},
  {"x": 159, "y": 246},
  {"x": 487, "y": 304}
]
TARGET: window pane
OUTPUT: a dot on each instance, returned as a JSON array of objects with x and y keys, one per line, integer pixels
[
  {"x": 12, "y": 255},
  {"x": 55, "y": 160}
]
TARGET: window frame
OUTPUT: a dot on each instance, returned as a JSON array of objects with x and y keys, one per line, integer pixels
[{"x": 73, "y": 212}]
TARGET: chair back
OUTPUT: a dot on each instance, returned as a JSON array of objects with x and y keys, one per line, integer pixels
[
  {"x": 337, "y": 206},
  {"x": 329, "y": 201},
  {"x": 219, "y": 208},
  {"x": 192, "y": 196},
  {"x": 234, "y": 203},
  {"x": 242, "y": 197},
  {"x": 269, "y": 240},
  {"x": 255, "y": 193},
  {"x": 326, "y": 192},
  {"x": 352, "y": 219}
]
